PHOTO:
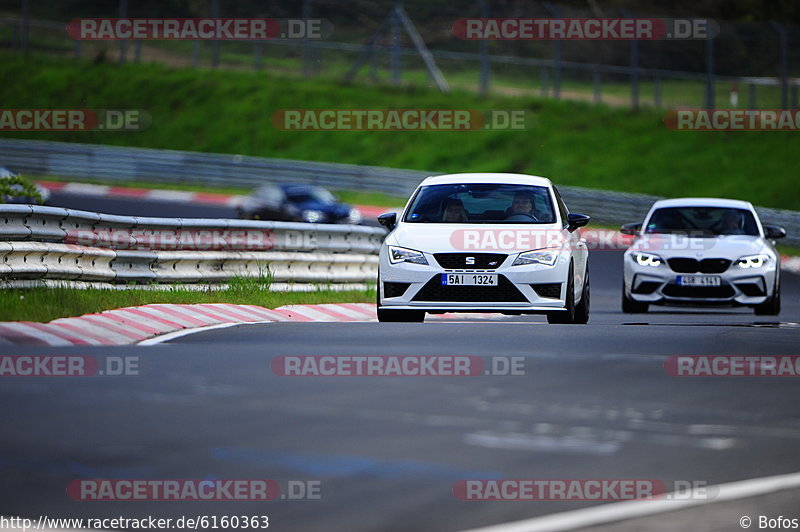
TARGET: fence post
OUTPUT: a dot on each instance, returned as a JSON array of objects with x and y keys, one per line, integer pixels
[
  {"x": 751, "y": 95},
  {"x": 306, "y": 53},
  {"x": 195, "y": 54},
  {"x": 26, "y": 24},
  {"x": 598, "y": 95},
  {"x": 556, "y": 54},
  {"x": 634, "y": 67},
  {"x": 657, "y": 92},
  {"x": 395, "y": 32},
  {"x": 123, "y": 44},
  {"x": 137, "y": 51},
  {"x": 543, "y": 81},
  {"x": 484, "y": 82},
  {"x": 258, "y": 51},
  {"x": 215, "y": 43},
  {"x": 709, "y": 72},
  {"x": 784, "y": 63}
]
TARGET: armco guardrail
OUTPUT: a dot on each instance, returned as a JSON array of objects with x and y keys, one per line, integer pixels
[
  {"x": 109, "y": 163},
  {"x": 55, "y": 243}
]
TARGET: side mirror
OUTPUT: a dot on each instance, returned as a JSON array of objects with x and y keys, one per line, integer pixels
[
  {"x": 630, "y": 229},
  {"x": 575, "y": 221},
  {"x": 774, "y": 231},
  {"x": 388, "y": 220}
]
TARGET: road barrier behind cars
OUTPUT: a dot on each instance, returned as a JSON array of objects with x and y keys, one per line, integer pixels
[
  {"x": 124, "y": 164},
  {"x": 54, "y": 243}
]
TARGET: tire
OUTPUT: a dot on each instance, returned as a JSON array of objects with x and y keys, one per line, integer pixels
[
  {"x": 771, "y": 307},
  {"x": 629, "y": 306},
  {"x": 395, "y": 316},
  {"x": 582, "y": 310},
  {"x": 567, "y": 316}
]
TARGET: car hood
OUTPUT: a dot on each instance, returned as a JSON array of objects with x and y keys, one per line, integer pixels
[
  {"x": 477, "y": 238},
  {"x": 729, "y": 247}
]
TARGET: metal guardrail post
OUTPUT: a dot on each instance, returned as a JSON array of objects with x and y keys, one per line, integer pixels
[
  {"x": 26, "y": 24},
  {"x": 395, "y": 33},
  {"x": 709, "y": 99},
  {"x": 123, "y": 44},
  {"x": 751, "y": 95},
  {"x": 557, "y": 50},
  {"x": 783, "y": 58},
  {"x": 657, "y": 92},
  {"x": 598, "y": 95},
  {"x": 484, "y": 51},
  {"x": 306, "y": 51},
  {"x": 215, "y": 43}
]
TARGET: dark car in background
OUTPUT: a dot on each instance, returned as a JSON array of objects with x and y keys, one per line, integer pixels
[{"x": 297, "y": 203}]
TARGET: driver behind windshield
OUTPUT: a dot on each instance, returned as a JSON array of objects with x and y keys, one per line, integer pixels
[{"x": 521, "y": 204}]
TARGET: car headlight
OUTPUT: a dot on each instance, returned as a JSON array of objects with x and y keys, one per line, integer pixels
[
  {"x": 647, "y": 259},
  {"x": 548, "y": 257},
  {"x": 753, "y": 261},
  {"x": 311, "y": 216},
  {"x": 354, "y": 217},
  {"x": 398, "y": 254}
]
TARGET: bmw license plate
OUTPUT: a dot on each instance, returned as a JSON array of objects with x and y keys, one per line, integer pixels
[
  {"x": 469, "y": 279},
  {"x": 699, "y": 280}
]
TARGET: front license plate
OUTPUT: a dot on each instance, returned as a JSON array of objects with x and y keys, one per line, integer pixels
[
  {"x": 468, "y": 279},
  {"x": 699, "y": 280}
]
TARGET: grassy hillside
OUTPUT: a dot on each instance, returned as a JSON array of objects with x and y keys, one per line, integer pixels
[{"x": 575, "y": 144}]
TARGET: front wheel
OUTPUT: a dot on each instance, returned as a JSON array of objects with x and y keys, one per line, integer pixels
[
  {"x": 569, "y": 315},
  {"x": 630, "y": 306},
  {"x": 772, "y": 307}
]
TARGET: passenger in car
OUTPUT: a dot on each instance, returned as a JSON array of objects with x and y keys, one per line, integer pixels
[{"x": 454, "y": 211}]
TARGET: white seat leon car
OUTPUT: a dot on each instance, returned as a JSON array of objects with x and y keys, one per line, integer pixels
[
  {"x": 702, "y": 251},
  {"x": 484, "y": 242}
]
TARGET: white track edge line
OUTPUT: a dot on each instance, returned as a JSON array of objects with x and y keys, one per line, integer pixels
[
  {"x": 622, "y": 511},
  {"x": 186, "y": 332}
]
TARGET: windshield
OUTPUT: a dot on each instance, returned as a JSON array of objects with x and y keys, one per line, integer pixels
[
  {"x": 702, "y": 221},
  {"x": 482, "y": 203},
  {"x": 310, "y": 194}
]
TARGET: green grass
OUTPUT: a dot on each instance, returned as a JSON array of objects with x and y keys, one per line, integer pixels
[
  {"x": 572, "y": 143},
  {"x": 45, "y": 304}
]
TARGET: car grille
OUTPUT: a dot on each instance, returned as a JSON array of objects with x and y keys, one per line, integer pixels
[
  {"x": 699, "y": 292},
  {"x": 551, "y": 290},
  {"x": 395, "y": 289},
  {"x": 687, "y": 265},
  {"x": 504, "y": 292},
  {"x": 458, "y": 261}
]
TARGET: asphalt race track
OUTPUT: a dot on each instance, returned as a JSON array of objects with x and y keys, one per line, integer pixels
[{"x": 594, "y": 402}]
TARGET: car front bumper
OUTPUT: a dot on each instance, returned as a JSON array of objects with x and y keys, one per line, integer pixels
[
  {"x": 408, "y": 286},
  {"x": 659, "y": 286}
]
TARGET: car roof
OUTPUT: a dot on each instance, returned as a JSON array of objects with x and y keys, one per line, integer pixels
[
  {"x": 487, "y": 177},
  {"x": 703, "y": 202},
  {"x": 296, "y": 187}
]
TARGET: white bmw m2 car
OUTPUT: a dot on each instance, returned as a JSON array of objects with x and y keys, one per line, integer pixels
[
  {"x": 702, "y": 251},
  {"x": 484, "y": 242}
]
